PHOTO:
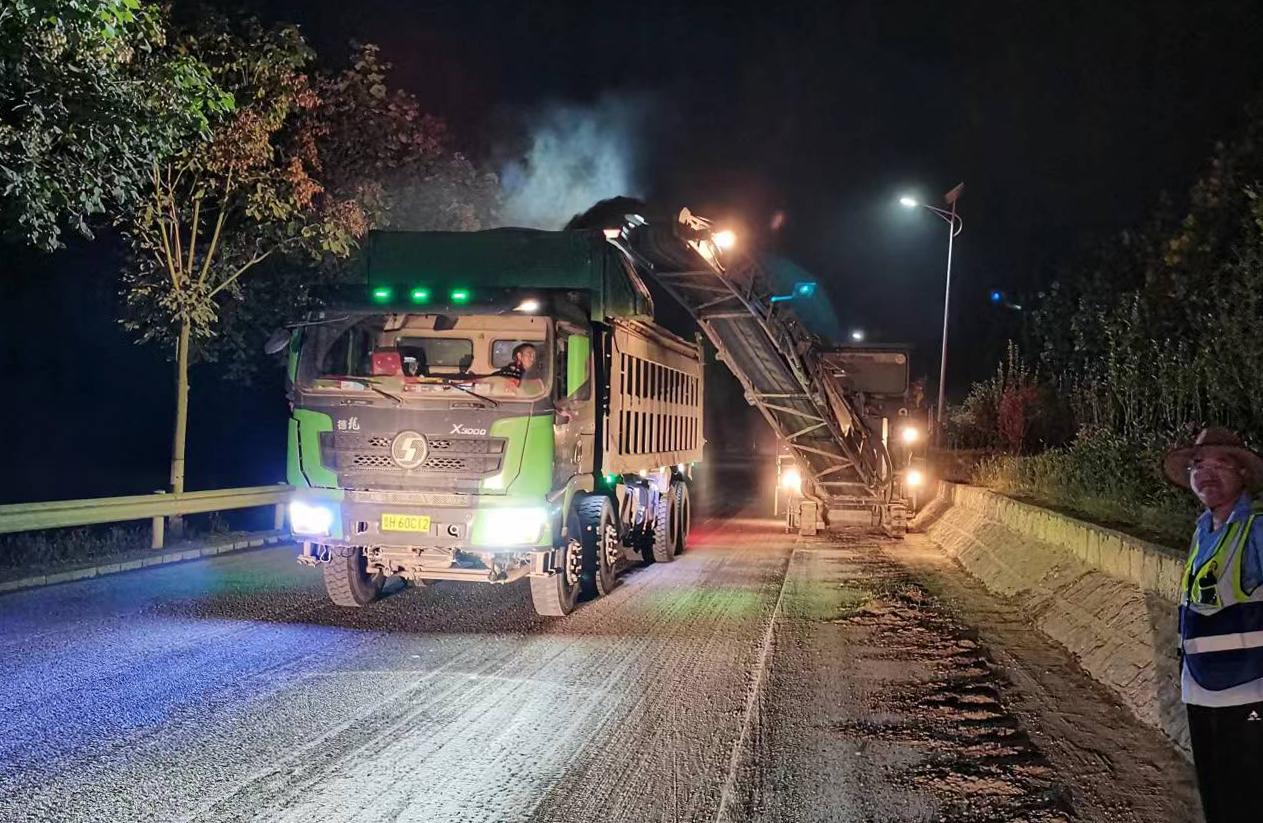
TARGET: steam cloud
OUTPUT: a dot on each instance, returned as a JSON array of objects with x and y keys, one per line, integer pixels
[{"x": 573, "y": 157}]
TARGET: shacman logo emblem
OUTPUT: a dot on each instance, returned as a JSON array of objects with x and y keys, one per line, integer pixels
[{"x": 409, "y": 449}]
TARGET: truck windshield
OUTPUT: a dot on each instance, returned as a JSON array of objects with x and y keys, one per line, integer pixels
[{"x": 425, "y": 357}]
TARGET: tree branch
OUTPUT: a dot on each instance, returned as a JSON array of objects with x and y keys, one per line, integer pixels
[
  {"x": 209, "y": 257},
  {"x": 175, "y": 220},
  {"x": 258, "y": 258},
  {"x": 220, "y": 218},
  {"x": 197, "y": 219}
]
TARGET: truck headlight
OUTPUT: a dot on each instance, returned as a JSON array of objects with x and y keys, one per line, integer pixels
[
  {"x": 512, "y": 527},
  {"x": 309, "y": 518}
]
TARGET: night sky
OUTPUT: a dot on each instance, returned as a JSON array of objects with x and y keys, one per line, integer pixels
[{"x": 1065, "y": 120}]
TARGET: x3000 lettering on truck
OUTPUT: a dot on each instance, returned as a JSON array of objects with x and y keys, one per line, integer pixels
[{"x": 494, "y": 405}]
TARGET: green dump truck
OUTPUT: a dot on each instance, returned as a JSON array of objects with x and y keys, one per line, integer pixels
[{"x": 491, "y": 406}]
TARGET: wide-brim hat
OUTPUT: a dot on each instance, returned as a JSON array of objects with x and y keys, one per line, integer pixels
[{"x": 1177, "y": 461}]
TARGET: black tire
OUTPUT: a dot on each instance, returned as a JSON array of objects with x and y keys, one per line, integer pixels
[
  {"x": 558, "y": 594},
  {"x": 347, "y": 579},
  {"x": 683, "y": 513},
  {"x": 602, "y": 547},
  {"x": 665, "y": 526}
]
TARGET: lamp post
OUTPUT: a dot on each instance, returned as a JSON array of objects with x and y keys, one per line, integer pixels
[{"x": 954, "y": 226}]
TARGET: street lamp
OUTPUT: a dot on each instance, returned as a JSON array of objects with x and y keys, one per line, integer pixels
[
  {"x": 857, "y": 335},
  {"x": 954, "y": 225}
]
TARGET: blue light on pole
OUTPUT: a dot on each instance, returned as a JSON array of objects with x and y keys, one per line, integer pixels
[
  {"x": 999, "y": 298},
  {"x": 803, "y": 288}
]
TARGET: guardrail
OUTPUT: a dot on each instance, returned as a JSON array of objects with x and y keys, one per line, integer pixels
[{"x": 25, "y": 517}]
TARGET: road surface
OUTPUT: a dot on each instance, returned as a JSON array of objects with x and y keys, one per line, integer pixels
[{"x": 759, "y": 677}]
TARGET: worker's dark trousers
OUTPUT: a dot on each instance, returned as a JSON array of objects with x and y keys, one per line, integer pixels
[{"x": 1228, "y": 754}]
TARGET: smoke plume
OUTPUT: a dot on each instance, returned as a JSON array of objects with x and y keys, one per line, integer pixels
[{"x": 572, "y": 156}]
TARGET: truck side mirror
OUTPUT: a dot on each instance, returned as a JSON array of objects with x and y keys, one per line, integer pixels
[{"x": 279, "y": 341}]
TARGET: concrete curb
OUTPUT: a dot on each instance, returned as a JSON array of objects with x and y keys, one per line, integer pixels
[
  {"x": 210, "y": 549},
  {"x": 1106, "y": 597}
]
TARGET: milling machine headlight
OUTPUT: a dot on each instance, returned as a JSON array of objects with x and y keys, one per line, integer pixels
[
  {"x": 512, "y": 527},
  {"x": 792, "y": 480},
  {"x": 914, "y": 478},
  {"x": 724, "y": 239},
  {"x": 309, "y": 518},
  {"x": 910, "y": 434}
]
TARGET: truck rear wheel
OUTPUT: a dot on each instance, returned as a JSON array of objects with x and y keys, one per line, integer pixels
[
  {"x": 347, "y": 579},
  {"x": 602, "y": 547},
  {"x": 665, "y": 527},
  {"x": 683, "y": 513},
  {"x": 556, "y": 595}
]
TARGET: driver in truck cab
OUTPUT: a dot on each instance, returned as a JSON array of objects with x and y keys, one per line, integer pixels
[{"x": 522, "y": 367}]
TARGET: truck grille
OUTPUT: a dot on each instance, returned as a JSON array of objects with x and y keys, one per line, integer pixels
[{"x": 363, "y": 461}]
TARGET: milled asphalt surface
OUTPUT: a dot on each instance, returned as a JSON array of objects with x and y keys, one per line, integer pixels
[{"x": 757, "y": 677}]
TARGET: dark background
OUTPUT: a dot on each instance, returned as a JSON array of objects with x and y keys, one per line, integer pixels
[{"x": 1065, "y": 120}]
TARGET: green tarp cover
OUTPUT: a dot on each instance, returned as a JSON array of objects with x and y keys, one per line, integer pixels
[{"x": 510, "y": 259}]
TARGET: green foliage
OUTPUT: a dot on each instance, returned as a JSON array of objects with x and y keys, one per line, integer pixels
[
  {"x": 1012, "y": 410},
  {"x": 91, "y": 95},
  {"x": 1156, "y": 334},
  {"x": 1101, "y": 476},
  {"x": 1151, "y": 338},
  {"x": 244, "y": 192},
  {"x": 374, "y": 147}
]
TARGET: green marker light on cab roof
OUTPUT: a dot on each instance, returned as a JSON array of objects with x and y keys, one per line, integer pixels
[
  {"x": 420, "y": 295},
  {"x": 460, "y": 295},
  {"x": 382, "y": 294}
]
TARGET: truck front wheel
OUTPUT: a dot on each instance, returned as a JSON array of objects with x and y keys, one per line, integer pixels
[
  {"x": 347, "y": 579},
  {"x": 557, "y": 594}
]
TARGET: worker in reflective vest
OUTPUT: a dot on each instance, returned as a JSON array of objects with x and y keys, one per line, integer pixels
[{"x": 1221, "y": 622}]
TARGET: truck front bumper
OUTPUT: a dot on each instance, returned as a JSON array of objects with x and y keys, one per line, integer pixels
[{"x": 476, "y": 524}]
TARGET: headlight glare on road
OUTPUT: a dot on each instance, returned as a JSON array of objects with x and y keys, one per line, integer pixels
[
  {"x": 512, "y": 527},
  {"x": 309, "y": 518},
  {"x": 792, "y": 480}
]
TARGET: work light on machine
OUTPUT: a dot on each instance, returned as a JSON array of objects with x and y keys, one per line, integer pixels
[
  {"x": 724, "y": 239},
  {"x": 910, "y": 435},
  {"x": 528, "y": 306},
  {"x": 792, "y": 480},
  {"x": 914, "y": 479}
]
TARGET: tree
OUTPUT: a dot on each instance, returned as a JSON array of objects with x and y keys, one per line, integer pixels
[
  {"x": 378, "y": 147},
  {"x": 90, "y": 98},
  {"x": 283, "y": 186},
  {"x": 220, "y": 206}
]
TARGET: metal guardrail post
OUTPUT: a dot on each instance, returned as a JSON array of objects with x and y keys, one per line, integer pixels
[
  {"x": 278, "y": 517},
  {"x": 159, "y": 530}
]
